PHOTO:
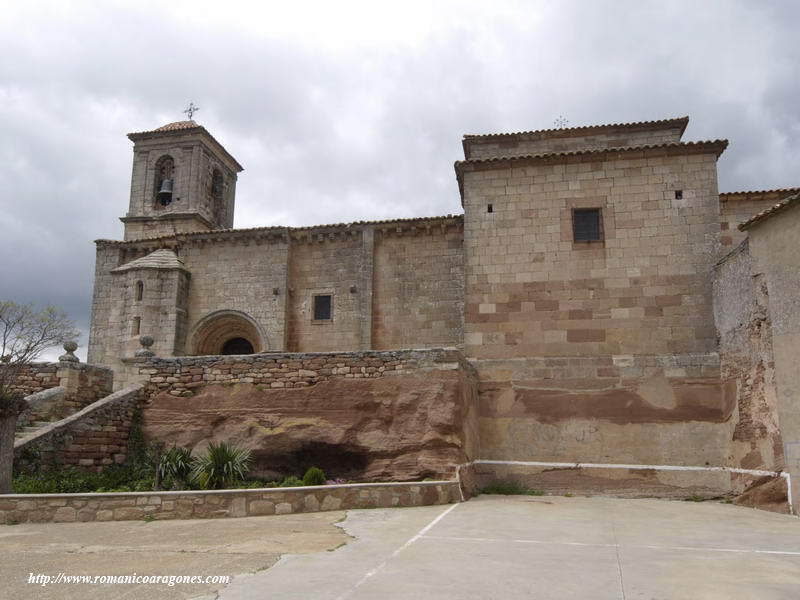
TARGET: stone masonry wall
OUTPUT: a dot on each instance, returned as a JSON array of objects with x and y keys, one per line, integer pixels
[
  {"x": 179, "y": 376},
  {"x": 36, "y": 377},
  {"x": 418, "y": 293},
  {"x": 65, "y": 508},
  {"x": 269, "y": 277},
  {"x": 532, "y": 291},
  {"x": 330, "y": 266},
  {"x": 92, "y": 438}
]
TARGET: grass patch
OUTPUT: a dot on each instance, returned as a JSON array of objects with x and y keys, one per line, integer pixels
[
  {"x": 695, "y": 498},
  {"x": 510, "y": 488}
]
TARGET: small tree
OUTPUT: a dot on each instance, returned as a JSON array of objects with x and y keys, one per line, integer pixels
[{"x": 24, "y": 334}]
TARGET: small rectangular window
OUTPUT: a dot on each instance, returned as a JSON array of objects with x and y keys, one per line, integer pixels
[
  {"x": 322, "y": 308},
  {"x": 137, "y": 324},
  {"x": 587, "y": 225}
]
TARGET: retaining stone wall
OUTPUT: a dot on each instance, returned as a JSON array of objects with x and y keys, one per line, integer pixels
[
  {"x": 92, "y": 438},
  {"x": 44, "y": 508},
  {"x": 179, "y": 376}
]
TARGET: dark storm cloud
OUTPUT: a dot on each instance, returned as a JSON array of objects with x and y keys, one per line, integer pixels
[{"x": 352, "y": 112}]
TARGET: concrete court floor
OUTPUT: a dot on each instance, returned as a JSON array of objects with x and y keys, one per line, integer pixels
[{"x": 546, "y": 548}]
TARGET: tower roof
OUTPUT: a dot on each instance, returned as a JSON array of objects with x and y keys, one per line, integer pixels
[
  {"x": 182, "y": 128},
  {"x": 160, "y": 259}
]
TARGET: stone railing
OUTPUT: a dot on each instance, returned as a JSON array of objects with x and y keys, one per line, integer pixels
[
  {"x": 179, "y": 376},
  {"x": 91, "y": 438},
  {"x": 131, "y": 506},
  {"x": 83, "y": 384}
]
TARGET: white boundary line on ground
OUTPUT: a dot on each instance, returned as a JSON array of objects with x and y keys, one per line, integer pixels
[
  {"x": 599, "y": 545},
  {"x": 578, "y": 465},
  {"x": 374, "y": 571}
]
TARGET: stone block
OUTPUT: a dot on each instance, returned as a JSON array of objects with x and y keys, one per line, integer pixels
[
  {"x": 64, "y": 514},
  {"x": 263, "y": 507}
]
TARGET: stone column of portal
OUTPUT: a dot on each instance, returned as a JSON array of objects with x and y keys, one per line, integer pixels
[{"x": 365, "y": 286}]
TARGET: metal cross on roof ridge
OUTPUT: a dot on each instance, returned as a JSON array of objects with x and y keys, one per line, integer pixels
[{"x": 191, "y": 110}]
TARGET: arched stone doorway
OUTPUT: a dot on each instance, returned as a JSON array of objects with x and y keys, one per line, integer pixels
[{"x": 228, "y": 332}]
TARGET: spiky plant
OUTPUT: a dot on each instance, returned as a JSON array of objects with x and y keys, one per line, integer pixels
[
  {"x": 221, "y": 465},
  {"x": 176, "y": 464}
]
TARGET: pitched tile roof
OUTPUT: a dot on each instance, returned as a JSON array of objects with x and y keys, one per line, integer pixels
[
  {"x": 160, "y": 259},
  {"x": 681, "y": 122},
  {"x": 756, "y": 194},
  {"x": 770, "y": 212}
]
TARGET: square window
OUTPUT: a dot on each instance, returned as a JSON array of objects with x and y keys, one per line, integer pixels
[
  {"x": 587, "y": 225},
  {"x": 323, "y": 306}
]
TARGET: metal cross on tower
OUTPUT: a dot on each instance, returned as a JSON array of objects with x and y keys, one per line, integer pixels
[
  {"x": 561, "y": 122},
  {"x": 191, "y": 110}
]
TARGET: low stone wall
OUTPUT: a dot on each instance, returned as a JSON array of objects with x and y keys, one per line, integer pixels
[
  {"x": 91, "y": 438},
  {"x": 179, "y": 376},
  {"x": 131, "y": 506}
]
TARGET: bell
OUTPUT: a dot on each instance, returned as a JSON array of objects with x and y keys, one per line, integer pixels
[{"x": 165, "y": 193}]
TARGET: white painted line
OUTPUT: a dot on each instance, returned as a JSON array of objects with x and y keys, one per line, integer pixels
[
  {"x": 578, "y": 465},
  {"x": 377, "y": 569},
  {"x": 599, "y": 545}
]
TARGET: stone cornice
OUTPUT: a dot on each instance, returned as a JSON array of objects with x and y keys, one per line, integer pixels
[{"x": 313, "y": 234}]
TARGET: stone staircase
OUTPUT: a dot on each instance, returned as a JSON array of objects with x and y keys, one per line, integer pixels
[{"x": 24, "y": 431}]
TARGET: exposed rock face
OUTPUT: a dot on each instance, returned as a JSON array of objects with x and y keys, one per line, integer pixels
[
  {"x": 768, "y": 493},
  {"x": 405, "y": 427}
]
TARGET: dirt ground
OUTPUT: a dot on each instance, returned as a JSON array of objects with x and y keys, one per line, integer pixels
[{"x": 227, "y": 547}]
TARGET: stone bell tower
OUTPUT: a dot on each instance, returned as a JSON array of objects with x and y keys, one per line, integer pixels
[{"x": 183, "y": 180}]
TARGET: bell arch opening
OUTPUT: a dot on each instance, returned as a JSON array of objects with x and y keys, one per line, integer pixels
[{"x": 228, "y": 332}]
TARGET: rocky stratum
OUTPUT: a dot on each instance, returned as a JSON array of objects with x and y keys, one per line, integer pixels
[{"x": 392, "y": 428}]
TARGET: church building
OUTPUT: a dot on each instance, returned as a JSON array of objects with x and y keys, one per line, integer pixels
[{"x": 582, "y": 282}]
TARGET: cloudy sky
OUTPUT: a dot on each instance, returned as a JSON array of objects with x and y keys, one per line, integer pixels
[{"x": 344, "y": 111}]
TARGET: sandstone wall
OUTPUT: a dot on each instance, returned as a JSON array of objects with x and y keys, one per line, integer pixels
[
  {"x": 542, "y": 142},
  {"x": 773, "y": 246},
  {"x": 66, "y": 508},
  {"x": 92, "y": 438},
  {"x": 369, "y": 416},
  {"x": 741, "y": 311}
]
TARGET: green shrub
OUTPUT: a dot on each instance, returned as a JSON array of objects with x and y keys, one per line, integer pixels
[
  {"x": 510, "y": 488},
  {"x": 314, "y": 476},
  {"x": 221, "y": 466},
  {"x": 291, "y": 481}
]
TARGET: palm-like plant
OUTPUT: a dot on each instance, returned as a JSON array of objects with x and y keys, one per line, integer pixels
[
  {"x": 221, "y": 465},
  {"x": 176, "y": 464}
]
